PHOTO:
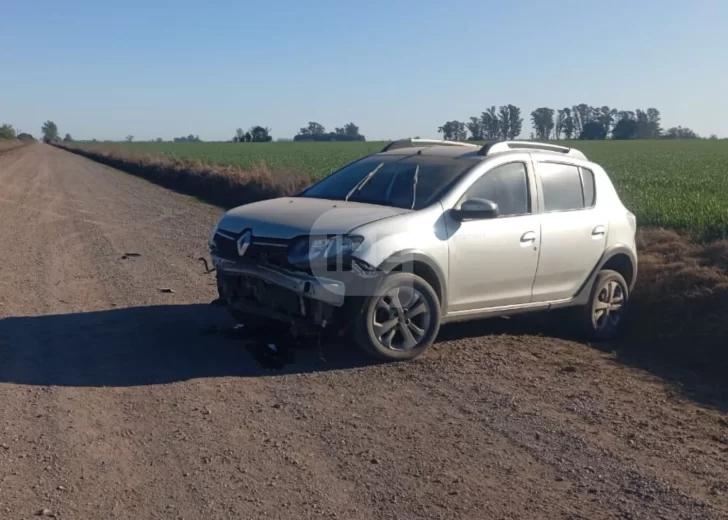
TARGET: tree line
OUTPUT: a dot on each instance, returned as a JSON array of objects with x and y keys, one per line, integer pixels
[
  {"x": 256, "y": 134},
  {"x": 317, "y": 132},
  {"x": 577, "y": 122},
  {"x": 8, "y": 132}
]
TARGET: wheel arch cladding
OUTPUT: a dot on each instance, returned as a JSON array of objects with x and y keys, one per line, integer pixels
[
  {"x": 621, "y": 263},
  {"x": 421, "y": 265}
]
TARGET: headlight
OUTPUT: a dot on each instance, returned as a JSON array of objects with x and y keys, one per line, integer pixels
[{"x": 307, "y": 250}]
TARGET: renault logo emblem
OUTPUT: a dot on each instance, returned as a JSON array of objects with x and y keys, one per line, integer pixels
[{"x": 244, "y": 242}]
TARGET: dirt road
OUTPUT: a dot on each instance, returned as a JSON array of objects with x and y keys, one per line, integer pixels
[{"x": 117, "y": 402}]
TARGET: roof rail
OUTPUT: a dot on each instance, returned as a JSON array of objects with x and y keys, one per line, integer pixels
[
  {"x": 504, "y": 146},
  {"x": 411, "y": 143}
]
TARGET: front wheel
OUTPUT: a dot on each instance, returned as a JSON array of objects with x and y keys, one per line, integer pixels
[
  {"x": 603, "y": 317},
  {"x": 401, "y": 320}
]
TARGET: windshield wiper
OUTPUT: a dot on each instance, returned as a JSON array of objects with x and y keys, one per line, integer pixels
[
  {"x": 359, "y": 185},
  {"x": 414, "y": 186}
]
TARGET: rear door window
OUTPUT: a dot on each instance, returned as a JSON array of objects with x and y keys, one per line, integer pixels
[{"x": 561, "y": 185}]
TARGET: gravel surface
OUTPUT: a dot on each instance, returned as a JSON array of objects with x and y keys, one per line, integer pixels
[{"x": 119, "y": 400}]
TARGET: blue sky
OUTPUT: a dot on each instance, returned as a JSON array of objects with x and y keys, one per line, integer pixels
[{"x": 396, "y": 68}]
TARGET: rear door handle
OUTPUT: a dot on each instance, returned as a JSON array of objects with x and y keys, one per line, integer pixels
[
  {"x": 529, "y": 236},
  {"x": 599, "y": 231}
]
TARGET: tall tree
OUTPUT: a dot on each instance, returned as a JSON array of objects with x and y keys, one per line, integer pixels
[
  {"x": 313, "y": 128},
  {"x": 490, "y": 124},
  {"x": 643, "y": 127},
  {"x": 49, "y": 131},
  {"x": 625, "y": 128},
  {"x": 129, "y": 138},
  {"x": 7, "y": 132},
  {"x": 543, "y": 122},
  {"x": 352, "y": 131},
  {"x": 594, "y": 113},
  {"x": 516, "y": 121},
  {"x": 67, "y": 138},
  {"x": 239, "y": 135},
  {"x": 593, "y": 130},
  {"x": 453, "y": 131},
  {"x": 581, "y": 114},
  {"x": 575, "y": 119},
  {"x": 447, "y": 131},
  {"x": 625, "y": 114},
  {"x": 475, "y": 127},
  {"x": 260, "y": 134},
  {"x": 653, "y": 120},
  {"x": 606, "y": 118},
  {"x": 504, "y": 121},
  {"x": 569, "y": 126},
  {"x": 559, "y": 125}
]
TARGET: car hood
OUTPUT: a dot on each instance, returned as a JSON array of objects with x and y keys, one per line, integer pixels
[{"x": 288, "y": 217}]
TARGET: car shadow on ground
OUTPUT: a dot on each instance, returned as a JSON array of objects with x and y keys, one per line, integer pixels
[
  {"x": 166, "y": 344},
  {"x": 143, "y": 346}
]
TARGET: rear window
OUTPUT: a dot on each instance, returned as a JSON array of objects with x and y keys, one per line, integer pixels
[{"x": 399, "y": 181}]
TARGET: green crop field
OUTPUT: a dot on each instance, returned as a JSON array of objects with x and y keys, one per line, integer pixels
[
  {"x": 673, "y": 184},
  {"x": 316, "y": 159}
]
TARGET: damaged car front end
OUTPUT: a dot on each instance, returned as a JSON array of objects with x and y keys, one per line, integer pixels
[{"x": 307, "y": 282}]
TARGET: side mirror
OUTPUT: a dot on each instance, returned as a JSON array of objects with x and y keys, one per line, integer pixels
[{"x": 476, "y": 209}]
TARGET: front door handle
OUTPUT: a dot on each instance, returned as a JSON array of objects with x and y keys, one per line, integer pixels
[
  {"x": 529, "y": 236},
  {"x": 599, "y": 231}
]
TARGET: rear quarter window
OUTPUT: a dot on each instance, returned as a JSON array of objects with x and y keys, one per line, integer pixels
[{"x": 590, "y": 190}]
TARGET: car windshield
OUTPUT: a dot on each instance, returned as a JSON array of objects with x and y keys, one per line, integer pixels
[{"x": 404, "y": 182}]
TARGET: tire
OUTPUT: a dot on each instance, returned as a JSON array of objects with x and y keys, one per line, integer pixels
[
  {"x": 371, "y": 329},
  {"x": 598, "y": 326}
]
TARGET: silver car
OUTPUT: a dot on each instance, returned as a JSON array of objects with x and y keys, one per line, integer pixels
[{"x": 426, "y": 232}]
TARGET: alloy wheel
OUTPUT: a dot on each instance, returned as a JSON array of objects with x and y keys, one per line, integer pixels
[
  {"x": 401, "y": 318},
  {"x": 607, "y": 310}
]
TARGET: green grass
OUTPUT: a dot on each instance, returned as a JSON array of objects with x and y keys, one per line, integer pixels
[{"x": 673, "y": 184}]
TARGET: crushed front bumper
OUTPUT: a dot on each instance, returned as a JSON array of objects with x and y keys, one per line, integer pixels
[{"x": 303, "y": 285}]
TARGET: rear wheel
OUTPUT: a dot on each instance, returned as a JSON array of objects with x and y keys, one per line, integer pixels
[
  {"x": 603, "y": 317},
  {"x": 401, "y": 320}
]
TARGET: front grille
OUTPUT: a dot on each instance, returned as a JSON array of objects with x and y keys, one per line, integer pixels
[
  {"x": 265, "y": 251},
  {"x": 225, "y": 246},
  {"x": 267, "y": 254}
]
